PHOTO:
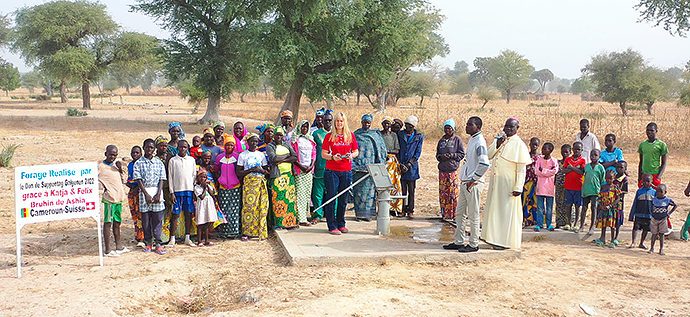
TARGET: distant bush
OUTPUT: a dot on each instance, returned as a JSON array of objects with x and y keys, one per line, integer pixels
[
  {"x": 636, "y": 107},
  {"x": 71, "y": 112},
  {"x": 17, "y": 98},
  {"x": 74, "y": 96},
  {"x": 40, "y": 97},
  {"x": 7, "y": 154},
  {"x": 543, "y": 104}
]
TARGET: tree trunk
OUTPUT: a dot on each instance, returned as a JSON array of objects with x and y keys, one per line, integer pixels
[
  {"x": 329, "y": 104},
  {"x": 86, "y": 95},
  {"x": 421, "y": 102},
  {"x": 625, "y": 111},
  {"x": 358, "y": 95},
  {"x": 293, "y": 98},
  {"x": 381, "y": 100},
  {"x": 127, "y": 89},
  {"x": 242, "y": 97},
  {"x": 649, "y": 108},
  {"x": 63, "y": 91},
  {"x": 508, "y": 96},
  {"x": 7, "y": 93},
  {"x": 485, "y": 102},
  {"x": 212, "y": 109}
]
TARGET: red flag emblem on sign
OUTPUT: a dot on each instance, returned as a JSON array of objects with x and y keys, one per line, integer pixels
[{"x": 90, "y": 205}]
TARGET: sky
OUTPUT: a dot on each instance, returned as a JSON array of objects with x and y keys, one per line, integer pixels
[{"x": 559, "y": 35}]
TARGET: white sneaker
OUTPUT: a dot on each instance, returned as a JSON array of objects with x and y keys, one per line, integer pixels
[
  {"x": 171, "y": 244},
  {"x": 112, "y": 253},
  {"x": 141, "y": 244},
  {"x": 189, "y": 243},
  {"x": 124, "y": 250}
]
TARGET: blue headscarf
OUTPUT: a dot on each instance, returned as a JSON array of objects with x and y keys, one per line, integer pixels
[
  {"x": 450, "y": 123},
  {"x": 368, "y": 117},
  {"x": 177, "y": 124},
  {"x": 321, "y": 111}
]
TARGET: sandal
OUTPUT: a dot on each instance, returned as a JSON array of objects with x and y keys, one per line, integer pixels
[
  {"x": 305, "y": 224},
  {"x": 612, "y": 245},
  {"x": 210, "y": 244},
  {"x": 245, "y": 239},
  {"x": 599, "y": 242},
  {"x": 201, "y": 244}
]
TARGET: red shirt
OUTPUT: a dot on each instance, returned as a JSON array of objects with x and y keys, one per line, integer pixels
[
  {"x": 573, "y": 180},
  {"x": 339, "y": 147},
  {"x": 196, "y": 151}
]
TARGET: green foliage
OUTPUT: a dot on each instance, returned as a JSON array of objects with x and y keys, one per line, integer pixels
[
  {"x": 669, "y": 13},
  {"x": 9, "y": 77},
  {"x": 486, "y": 94},
  {"x": 40, "y": 97},
  {"x": 70, "y": 63},
  {"x": 509, "y": 71},
  {"x": 561, "y": 89},
  {"x": 542, "y": 76},
  {"x": 17, "y": 98},
  {"x": 7, "y": 154},
  {"x": 581, "y": 85},
  {"x": 5, "y": 30},
  {"x": 654, "y": 86},
  {"x": 541, "y": 105},
  {"x": 460, "y": 85},
  {"x": 71, "y": 112},
  {"x": 136, "y": 60},
  {"x": 480, "y": 76},
  {"x": 617, "y": 76},
  {"x": 422, "y": 84},
  {"x": 459, "y": 68}
]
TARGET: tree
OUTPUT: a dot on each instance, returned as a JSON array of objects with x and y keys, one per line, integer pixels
[
  {"x": 459, "y": 68},
  {"x": 508, "y": 71},
  {"x": 137, "y": 57},
  {"x": 669, "y": 13},
  {"x": 9, "y": 77},
  {"x": 581, "y": 85},
  {"x": 543, "y": 76},
  {"x": 422, "y": 84},
  {"x": 5, "y": 30},
  {"x": 617, "y": 76},
  {"x": 213, "y": 43},
  {"x": 327, "y": 48},
  {"x": 480, "y": 75},
  {"x": 460, "y": 85},
  {"x": 75, "y": 31},
  {"x": 654, "y": 86},
  {"x": 486, "y": 94}
]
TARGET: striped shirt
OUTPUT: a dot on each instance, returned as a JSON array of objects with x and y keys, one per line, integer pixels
[{"x": 477, "y": 160}]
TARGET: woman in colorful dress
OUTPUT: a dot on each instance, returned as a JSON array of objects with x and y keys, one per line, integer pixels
[
  {"x": 238, "y": 134},
  {"x": 176, "y": 133},
  {"x": 529, "y": 195},
  {"x": 372, "y": 150},
  {"x": 265, "y": 136},
  {"x": 283, "y": 194},
  {"x": 305, "y": 147},
  {"x": 252, "y": 167},
  {"x": 449, "y": 153},
  {"x": 390, "y": 139},
  {"x": 229, "y": 191}
]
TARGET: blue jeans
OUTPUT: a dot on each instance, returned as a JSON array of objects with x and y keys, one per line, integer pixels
[
  {"x": 336, "y": 182},
  {"x": 540, "y": 210}
]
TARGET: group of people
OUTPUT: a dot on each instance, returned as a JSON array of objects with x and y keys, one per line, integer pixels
[
  {"x": 243, "y": 184},
  {"x": 525, "y": 183}
]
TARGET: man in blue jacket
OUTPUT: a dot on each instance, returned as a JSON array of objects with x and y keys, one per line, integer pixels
[{"x": 410, "y": 149}]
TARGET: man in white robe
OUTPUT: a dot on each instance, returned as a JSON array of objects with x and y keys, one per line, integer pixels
[{"x": 509, "y": 156}]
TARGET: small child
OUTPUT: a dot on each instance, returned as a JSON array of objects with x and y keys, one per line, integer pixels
[
  {"x": 611, "y": 155},
  {"x": 133, "y": 196},
  {"x": 574, "y": 168},
  {"x": 621, "y": 181},
  {"x": 562, "y": 216},
  {"x": 181, "y": 175},
  {"x": 607, "y": 206},
  {"x": 149, "y": 172},
  {"x": 529, "y": 199},
  {"x": 594, "y": 177},
  {"x": 660, "y": 215},
  {"x": 546, "y": 168},
  {"x": 206, "y": 213},
  {"x": 641, "y": 211},
  {"x": 111, "y": 176},
  {"x": 196, "y": 150}
]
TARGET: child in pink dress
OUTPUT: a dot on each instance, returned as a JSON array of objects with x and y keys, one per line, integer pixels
[{"x": 546, "y": 168}]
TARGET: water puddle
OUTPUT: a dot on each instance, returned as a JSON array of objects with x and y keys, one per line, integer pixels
[{"x": 435, "y": 232}]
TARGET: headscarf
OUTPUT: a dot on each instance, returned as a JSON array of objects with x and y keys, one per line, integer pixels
[
  {"x": 398, "y": 121},
  {"x": 514, "y": 118},
  {"x": 368, "y": 117},
  {"x": 389, "y": 119},
  {"x": 219, "y": 123},
  {"x": 286, "y": 113},
  {"x": 262, "y": 129},
  {"x": 321, "y": 112},
  {"x": 412, "y": 120},
  {"x": 210, "y": 131},
  {"x": 279, "y": 129},
  {"x": 160, "y": 139},
  {"x": 251, "y": 135},
  {"x": 298, "y": 132},
  {"x": 177, "y": 124},
  {"x": 450, "y": 123}
]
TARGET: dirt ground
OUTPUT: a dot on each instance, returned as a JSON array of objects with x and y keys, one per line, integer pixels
[{"x": 62, "y": 276}]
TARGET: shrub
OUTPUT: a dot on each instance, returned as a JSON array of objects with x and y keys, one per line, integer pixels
[
  {"x": 40, "y": 97},
  {"x": 71, "y": 112},
  {"x": 543, "y": 104},
  {"x": 7, "y": 154},
  {"x": 17, "y": 97}
]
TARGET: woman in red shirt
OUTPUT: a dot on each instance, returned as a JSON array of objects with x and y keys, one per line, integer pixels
[{"x": 339, "y": 148}]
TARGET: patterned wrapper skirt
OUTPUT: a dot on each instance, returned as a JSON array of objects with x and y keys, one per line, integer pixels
[
  {"x": 607, "y": 218},
  {"x": 365, "y": 196},
  {"x": 562, "y": 215},
  {"x": 283, "y": 201},
  {"x": 254, "y": 207},
  {"x": 230, "y": 203},
  {"x": 303, "y": 185},
  {"x": 133, "y": 199},
  {"x": 394, "y": 174},
  {"x": 529, "y": 203},
  {"x": 448, "y": 194}
]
